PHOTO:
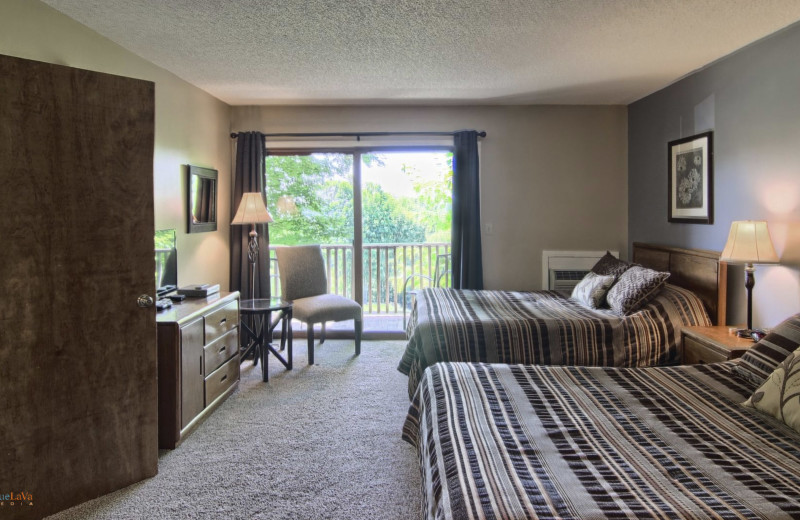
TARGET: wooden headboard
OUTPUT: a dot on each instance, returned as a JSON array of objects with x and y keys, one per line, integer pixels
[{"x": 698, "y": 270}]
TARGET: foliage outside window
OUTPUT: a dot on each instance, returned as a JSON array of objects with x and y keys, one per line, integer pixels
[{"x": 311, "y": 199}]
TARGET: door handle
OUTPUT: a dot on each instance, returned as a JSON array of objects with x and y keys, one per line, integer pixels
[{"x": 144, "y": 301}]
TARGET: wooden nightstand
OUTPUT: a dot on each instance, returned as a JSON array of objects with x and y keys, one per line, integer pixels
[{"x": 711, "y": 345}]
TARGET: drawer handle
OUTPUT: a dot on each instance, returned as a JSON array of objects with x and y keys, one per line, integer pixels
[
  {"x": 223, "y": 378},
  {"x": 222, "y": 349},
  {"x": 223, "y": 320}
]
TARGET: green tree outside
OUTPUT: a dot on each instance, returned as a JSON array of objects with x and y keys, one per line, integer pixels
[{"x": 311, "y": 199}]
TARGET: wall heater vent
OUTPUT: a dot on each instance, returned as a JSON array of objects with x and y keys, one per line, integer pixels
[{"x": 562, "y": 270}]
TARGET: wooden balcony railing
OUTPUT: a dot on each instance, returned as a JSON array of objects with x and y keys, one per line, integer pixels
[{"x": 386, "y": 269}]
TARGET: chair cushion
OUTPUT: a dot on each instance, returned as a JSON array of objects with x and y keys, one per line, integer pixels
[
  {"x": 325, "y": 307},
  {"x": 302, "y": 271}
]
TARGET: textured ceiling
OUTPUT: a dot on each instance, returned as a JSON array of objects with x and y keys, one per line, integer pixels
[{"x": 431, "y": 51}]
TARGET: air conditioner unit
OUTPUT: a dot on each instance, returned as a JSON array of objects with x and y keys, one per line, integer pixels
[
  {"x": 563, "y": 280},
  {"x": 562, "y": 270}
]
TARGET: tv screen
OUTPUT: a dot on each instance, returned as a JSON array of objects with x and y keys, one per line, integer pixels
[{"x": 166, "y": 262}]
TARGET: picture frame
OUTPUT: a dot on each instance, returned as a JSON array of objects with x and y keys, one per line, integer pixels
[{"x": 691, "y": 180}]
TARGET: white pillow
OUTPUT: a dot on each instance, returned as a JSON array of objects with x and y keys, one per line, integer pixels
[{"x": 591, "y": 291}]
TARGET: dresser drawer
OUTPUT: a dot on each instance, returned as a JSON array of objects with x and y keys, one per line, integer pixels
[
  {"x": 221, "y": 350},
  {"x": 221, "y": 320},
  {"x": 221, "y": 379}
]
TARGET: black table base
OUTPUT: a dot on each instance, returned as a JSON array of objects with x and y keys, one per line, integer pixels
[{"x": 258, "y": 333}]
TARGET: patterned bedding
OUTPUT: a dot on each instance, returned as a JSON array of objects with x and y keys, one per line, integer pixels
[
  {"x": 543, "y": 328},
  {"x": 514, "y": 442}
]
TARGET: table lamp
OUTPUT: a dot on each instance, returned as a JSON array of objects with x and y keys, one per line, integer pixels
[
  {"x": 252, "y": 211},
  {"x": 749, "y": 243}
]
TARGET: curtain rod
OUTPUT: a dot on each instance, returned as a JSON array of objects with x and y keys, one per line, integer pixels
[{"x": 358, "y": 135}]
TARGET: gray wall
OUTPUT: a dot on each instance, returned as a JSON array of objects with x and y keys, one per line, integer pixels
[
  {"x": 751, "y": 100},
  {"x": 552, "y": 177}
]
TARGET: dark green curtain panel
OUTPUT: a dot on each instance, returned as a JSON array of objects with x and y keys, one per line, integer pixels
[
  {"x": 466, "y": 233},
  {"x": 249, "y": 177}
]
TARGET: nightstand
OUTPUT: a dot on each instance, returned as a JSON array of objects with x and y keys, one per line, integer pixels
[{"x": 711, "y": 345}]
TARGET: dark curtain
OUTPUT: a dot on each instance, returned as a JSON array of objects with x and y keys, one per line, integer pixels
[
  {"x": 249, "y": 177},
  {"x": 466, "y": 233}
]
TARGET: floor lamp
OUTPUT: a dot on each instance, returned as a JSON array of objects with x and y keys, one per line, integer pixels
[
  {"x": 252, "y": 211},
  {"x": 749, "y": 243}
]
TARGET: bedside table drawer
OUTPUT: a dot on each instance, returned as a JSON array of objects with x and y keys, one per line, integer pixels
[{"x": 695, "y": 353}]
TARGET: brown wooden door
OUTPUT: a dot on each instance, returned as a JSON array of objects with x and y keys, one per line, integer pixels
[{"x": 78, "y": 394}]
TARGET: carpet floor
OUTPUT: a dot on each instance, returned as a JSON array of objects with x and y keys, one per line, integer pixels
[{"x": 317, "y": 442}]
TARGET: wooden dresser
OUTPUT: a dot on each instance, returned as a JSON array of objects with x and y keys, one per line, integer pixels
[{"x": 198, "y": 362}]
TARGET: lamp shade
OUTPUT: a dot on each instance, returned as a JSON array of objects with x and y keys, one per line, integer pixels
[
  {"x": 749, "y": 243},
  {"x": 251, "y": 210}
]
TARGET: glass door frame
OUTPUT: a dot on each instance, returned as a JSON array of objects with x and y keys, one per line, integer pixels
[{"x": 358, "y": 226}]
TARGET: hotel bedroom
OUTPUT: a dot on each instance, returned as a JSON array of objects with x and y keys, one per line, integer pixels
[{"x": 579, "y": 163}]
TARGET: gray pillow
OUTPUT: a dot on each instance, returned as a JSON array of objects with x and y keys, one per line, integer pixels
[
  {"x": 610, "y": 265},
  {"x": 591, "y": 290},
  {"x": 635, "y": 287}
]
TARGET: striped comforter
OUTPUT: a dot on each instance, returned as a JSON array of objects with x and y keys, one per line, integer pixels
[
  {"x": 514, "y": 442},
  {"x": 543, "y": 328}
]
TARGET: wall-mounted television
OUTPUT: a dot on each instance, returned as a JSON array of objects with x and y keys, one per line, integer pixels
[{"x": 166, "y": 262}]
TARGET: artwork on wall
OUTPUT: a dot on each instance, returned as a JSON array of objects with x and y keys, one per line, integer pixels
[{"x": 691, "y": 195}]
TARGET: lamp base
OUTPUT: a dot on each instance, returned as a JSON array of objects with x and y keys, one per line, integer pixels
[{"x": 252, "y": 255}]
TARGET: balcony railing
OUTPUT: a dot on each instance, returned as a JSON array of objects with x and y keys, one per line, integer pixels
[{"x": 387, "y": 268}]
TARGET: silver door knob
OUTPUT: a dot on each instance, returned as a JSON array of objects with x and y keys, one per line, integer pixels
[{"x": 145, "y": 300}]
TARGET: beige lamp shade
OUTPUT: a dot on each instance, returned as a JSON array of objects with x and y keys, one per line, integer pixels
[
  {"x": 749, "y": 243},
  {"x": 251, "y": 210}
]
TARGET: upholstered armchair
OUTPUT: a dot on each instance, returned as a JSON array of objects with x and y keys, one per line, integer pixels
[{"x": 305, "y": 283}]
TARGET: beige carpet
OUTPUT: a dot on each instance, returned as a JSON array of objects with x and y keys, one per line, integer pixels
[{"x": 317, "y": 442}]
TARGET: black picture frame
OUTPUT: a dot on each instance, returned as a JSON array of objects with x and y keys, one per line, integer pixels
[
  {"x": 201, "y": 211},
  {"x": 690, "y": 179}
]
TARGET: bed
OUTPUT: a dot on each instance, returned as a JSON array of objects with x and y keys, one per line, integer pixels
[
  {"x": 544, "y": 327},
  {"x": 514, "y": 442}
]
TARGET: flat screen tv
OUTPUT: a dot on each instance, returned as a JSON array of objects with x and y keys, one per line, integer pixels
[{"x": 166, "y": 262}]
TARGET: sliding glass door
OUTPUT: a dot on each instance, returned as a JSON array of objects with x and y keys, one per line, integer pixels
[
  {"x": 310, "y": 197},
  {"x": 406, "y": 228},
  {"x": 381, "y": 216}
]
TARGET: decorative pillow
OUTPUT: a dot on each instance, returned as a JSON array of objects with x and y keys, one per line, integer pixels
[
  {"x": 779, "y": 396},
  {"x": 761, "y": 359},
  {"x": 591, "y": 291},
  {"x": 610, "y": 265},
  {"x": 635, "y": 287}
]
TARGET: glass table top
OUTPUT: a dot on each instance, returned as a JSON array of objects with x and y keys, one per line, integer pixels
[{"x": 263, "y": 304}]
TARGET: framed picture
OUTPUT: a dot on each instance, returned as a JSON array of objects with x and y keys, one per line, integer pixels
[{"x": 691, "y": 194}]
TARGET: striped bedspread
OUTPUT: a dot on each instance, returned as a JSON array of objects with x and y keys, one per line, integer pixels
[
  {"x": 543, "y": 328},
  {"x": 514, "y": 442}
]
